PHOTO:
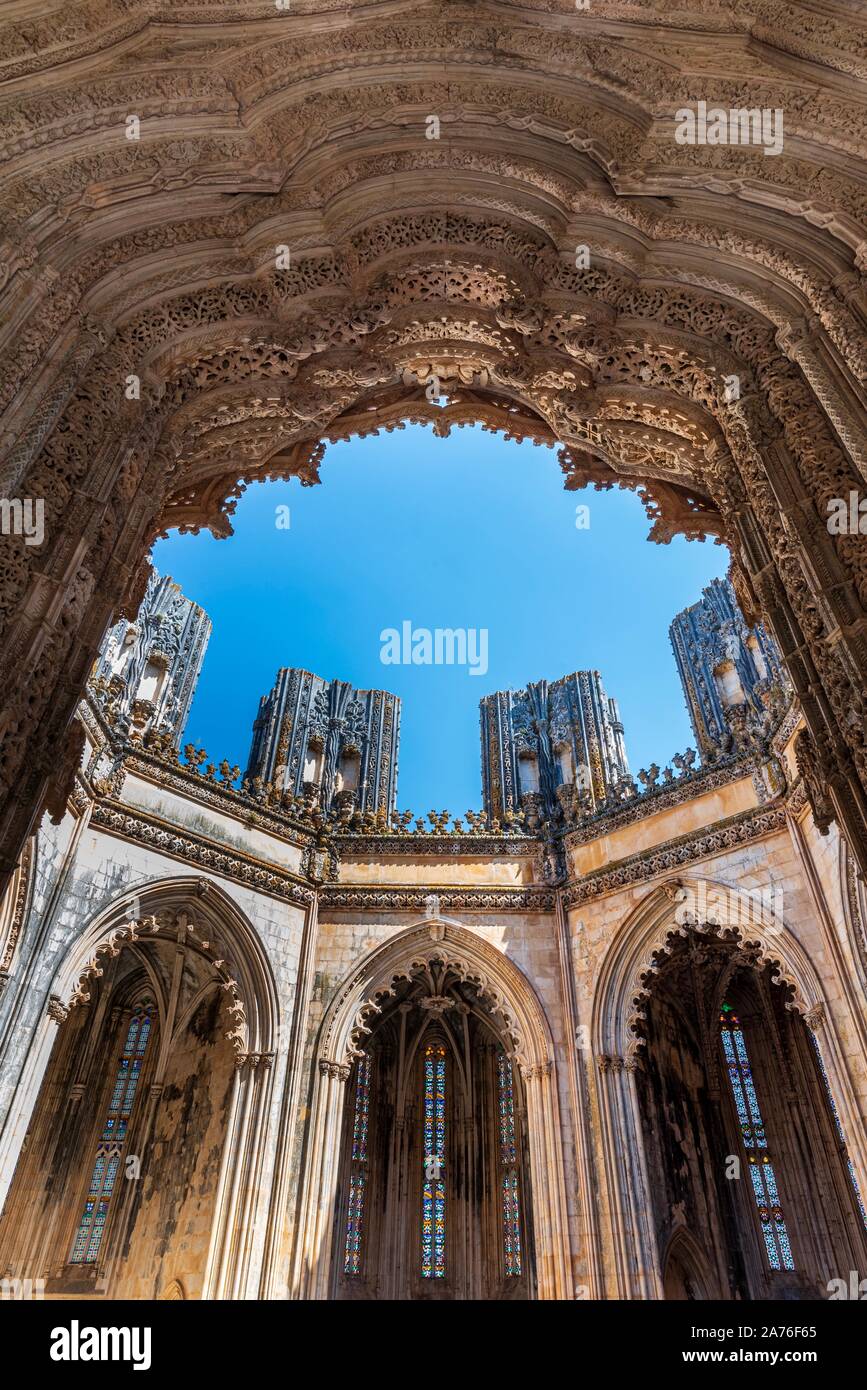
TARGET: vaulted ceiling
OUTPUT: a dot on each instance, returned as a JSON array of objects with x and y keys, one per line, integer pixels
[{"x": 308, "y": 128}]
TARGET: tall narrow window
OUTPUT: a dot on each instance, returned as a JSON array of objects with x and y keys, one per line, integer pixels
[
  {"x": 109, "y": 1153},
  {"x": 853, "y": 1178},
  {"x": 761, "y": 1170},
  {"x": 433, "y": 1214},
  {"x": 358, "y": 1169},
  {"x": 509, "y": 1169}
]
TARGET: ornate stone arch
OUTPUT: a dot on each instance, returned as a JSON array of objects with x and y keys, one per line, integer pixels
[
  {"x": 15, "y": 906},
  {"x": 218, "y": 930},
  {"x": 648, "y": 935},
  {"x": 643, "y": 939},
  {"x": 195, "y": 915},
  {"x": 501, "y": 985},
  {"x": 683, "y": 1251},
  {"x": 512, "y": 998}
]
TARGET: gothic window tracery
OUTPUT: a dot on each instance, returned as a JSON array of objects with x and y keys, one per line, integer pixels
[
  {"x": 726, "y": 1054},
  {"x": 111, "y": 1145},
  {"x": 358, "y": 1172},
  {"x": 433, "y": 1225},
  {"x": 509, "y": 1166},
  {"x": 435, "y": 1188},
  {"x": 754, "y": 1140}
]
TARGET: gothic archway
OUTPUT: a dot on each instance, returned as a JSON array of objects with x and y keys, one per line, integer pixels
[
  {"x": 508, "y": 1022},
  {"x": 139, "y": 1094},
  {"x": 669, "y": 1108},
  {"x": 686, "y": 1275},
  {"x": 741, "y": 1135},
  {"x": 433, "y": 1199}
]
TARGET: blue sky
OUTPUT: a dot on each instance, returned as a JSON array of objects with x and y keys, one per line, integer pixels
[{"x": 466, "y": 532}]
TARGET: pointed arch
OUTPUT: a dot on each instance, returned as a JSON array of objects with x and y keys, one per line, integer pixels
[
  {"x": 511, "y": 998},
  {"x": 669, "y": 914},
  {"x": 197, "y": 918},
  {"x": 685, "y": 1269},
  {"x": 499, "y": 981},
  {"x": 647, "y": 934},
  {"x": 226, "y": 937}
]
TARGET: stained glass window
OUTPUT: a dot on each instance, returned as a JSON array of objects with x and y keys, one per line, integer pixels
[
  {"x": 509, "y": 1171},
  {"x": 761, "y": 1169},
  {"x": 358, "y": 1168},
  {"x": 433, "y": 1214},
  {"x": 109, "y": 1152},
  {"x": 839, "y": 1124}
]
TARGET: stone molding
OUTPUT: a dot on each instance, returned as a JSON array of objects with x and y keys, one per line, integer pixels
[
  {"x": 164, "y": 838},
  {"x": 395, "y": 899},
  {"x": 686, "y": 849}
]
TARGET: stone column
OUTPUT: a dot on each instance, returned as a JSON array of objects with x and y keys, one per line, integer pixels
[
  {"x": 316, "y": 1225},
  {"x": 238, "y": 1210},
  {"x": 588, "y": 1215},
  {"x": 635, "y": 1254},
  {"x": 550, "y": 1222}
]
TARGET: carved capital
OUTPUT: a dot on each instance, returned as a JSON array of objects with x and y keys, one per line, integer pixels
[
  {"x": 338, "y": 1071},
  {"x": 56, "y": 1009}
]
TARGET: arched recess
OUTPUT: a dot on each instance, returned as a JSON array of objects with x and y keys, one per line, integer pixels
[
  {"x": 181, "y": 957},
  {"x": 686, "y": 1274},
  {"x": 512, "y": 1003},
  {"x": 726, "y": 944}
]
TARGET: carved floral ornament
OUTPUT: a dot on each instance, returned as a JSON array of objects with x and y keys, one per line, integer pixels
[
  {"x": 433, "y": 952},
  {"x": 755, "y": 944},
  {"x": 171, "y": 928}
]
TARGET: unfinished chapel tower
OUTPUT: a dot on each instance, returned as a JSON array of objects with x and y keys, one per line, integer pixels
[{"x": 326, "y": 741}]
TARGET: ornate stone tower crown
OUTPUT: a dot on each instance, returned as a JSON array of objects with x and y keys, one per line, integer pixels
[
  {"x": 147, "y": 671},
  {"x": 728, "y": 670},
  {"x": 327, "y": 741},
  {"x": 551, "y": 749}
]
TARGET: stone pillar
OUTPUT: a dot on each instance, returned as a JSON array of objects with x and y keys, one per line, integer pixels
[
  {"x": 316, "y": 1226},
  {"x": 550, "y": 1221},
  {"x": 635, "y": 1254},
  {"x": 237, "y": 1208}
]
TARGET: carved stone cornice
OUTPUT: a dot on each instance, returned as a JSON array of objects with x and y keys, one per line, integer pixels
[
  {"x": 252, "y": 1060},
  {"x": 607, "y": 1064},
  {"x": 207, "y": 792},
  {"x": 815, "y": 1017},
  {"x": 164, "y": 838},
  {"x": 659, "y": 798},
  {"x": 12, "y": 925},
  {"x": 57, "y": 1011},
  {"x": 337, "y": 1071},
  {"x": 412, "y": 844},
  {"x": 387, "y": 899},
  {"x": 687, "y": 849},
  {"x": 537, "y": 1071}
]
